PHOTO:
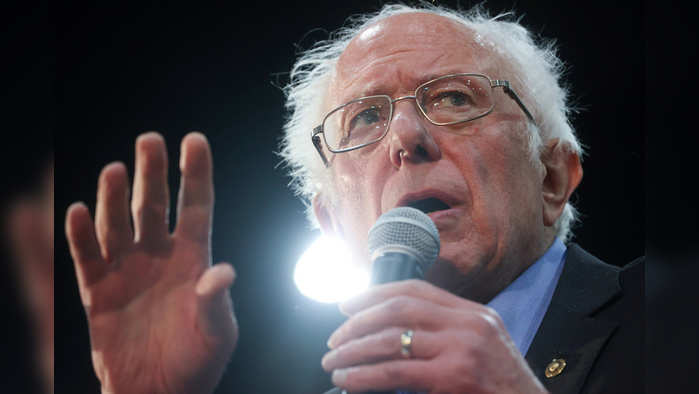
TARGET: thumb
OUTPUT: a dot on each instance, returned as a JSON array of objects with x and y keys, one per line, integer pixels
[{"x": 216, "y": 318}]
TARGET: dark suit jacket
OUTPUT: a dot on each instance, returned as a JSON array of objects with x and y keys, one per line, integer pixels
[{"x": 595, "y": 322}]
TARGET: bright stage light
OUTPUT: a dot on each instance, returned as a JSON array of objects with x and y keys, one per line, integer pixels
[{"x": 325, "y": 272}]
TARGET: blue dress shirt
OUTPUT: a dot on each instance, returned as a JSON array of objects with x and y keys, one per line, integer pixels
[{"x": 523, "y": 303}]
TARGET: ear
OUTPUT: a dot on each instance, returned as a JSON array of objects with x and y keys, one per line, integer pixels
[
  {"x": 563, "y": 174},
  {"x": 329, "y": 225}
]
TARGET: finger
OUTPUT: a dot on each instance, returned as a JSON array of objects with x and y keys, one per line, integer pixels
[
  {"x": 401, "y": 311},
  {"x": 216, "y": 318},
  {"x": 380, "y": 346},
  {"x": 414, "y": 288},
  {"x": 196, "y": 196},
  {"x": 112, "y": 213},
  {"x": 84, "y": 248},
  {"x": 151, "y": 201},
  {"x": 215, "y": 280},
  {"x": 407, "y": 375}
]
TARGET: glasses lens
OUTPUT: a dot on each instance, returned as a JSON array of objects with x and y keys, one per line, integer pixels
[
  {"x": 358, "y": 122},
  {"x": 456, "y": 98}
]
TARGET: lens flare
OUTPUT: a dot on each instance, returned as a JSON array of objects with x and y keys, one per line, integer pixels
[{"x": 326, "y": 273}]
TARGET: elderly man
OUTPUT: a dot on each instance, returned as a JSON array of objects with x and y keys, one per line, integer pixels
[{"x": 459, "y": 115}]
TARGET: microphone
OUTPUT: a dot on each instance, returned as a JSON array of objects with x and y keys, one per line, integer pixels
[{"x": 403, "y": 244}]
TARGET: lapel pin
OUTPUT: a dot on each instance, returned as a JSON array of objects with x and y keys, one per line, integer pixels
[{"x": 555, "y": 367}]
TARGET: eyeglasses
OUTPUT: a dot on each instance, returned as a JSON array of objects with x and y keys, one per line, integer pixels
[{"x": 443, "y": 101}]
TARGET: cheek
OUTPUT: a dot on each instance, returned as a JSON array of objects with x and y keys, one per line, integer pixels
[
  {"x": 509, "y": 192},
  {"x": 502, "y": 197},
  {"x": 355, "y": 209},
  {"x": 354, "y": 185},
  {"x": 502, "y": 167},
  {"x": 487, "y": 174},
  {"x": 473, "y": 243}
]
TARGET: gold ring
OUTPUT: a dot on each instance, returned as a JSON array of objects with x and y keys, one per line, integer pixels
[{"x": 406, "y": 343}]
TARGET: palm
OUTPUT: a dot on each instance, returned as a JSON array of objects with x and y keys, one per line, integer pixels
[{"x": 159, "y": 316}]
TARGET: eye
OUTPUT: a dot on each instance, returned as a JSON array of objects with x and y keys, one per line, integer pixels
[
  {"x": 366, "y": 117},
  {"x": 453, "y": 98}
]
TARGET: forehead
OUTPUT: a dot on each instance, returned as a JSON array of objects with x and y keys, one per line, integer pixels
[{"x": 403, "y": 51}]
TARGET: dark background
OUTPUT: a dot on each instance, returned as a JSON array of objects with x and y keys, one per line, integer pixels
[{"x": 124, "y": 69}]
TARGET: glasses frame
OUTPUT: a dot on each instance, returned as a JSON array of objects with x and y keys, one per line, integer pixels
[{"x": 494, "y": 83}]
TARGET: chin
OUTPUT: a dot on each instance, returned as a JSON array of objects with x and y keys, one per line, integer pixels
[{"x": 461, "y": 257}]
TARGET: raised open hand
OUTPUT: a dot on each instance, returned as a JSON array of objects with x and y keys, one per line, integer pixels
[{"x": 160, "y": 316}]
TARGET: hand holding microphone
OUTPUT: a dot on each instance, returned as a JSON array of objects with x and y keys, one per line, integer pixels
[{"x": 407, "y": 334}]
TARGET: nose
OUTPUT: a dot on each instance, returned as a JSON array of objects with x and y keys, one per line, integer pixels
[{"x": 410, "y": 141}]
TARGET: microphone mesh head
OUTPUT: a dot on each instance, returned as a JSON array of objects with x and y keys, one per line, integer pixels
[{"x": 406, "y": 229}]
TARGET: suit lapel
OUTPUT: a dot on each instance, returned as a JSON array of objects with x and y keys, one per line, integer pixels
[{"x": 569, "y": 330}]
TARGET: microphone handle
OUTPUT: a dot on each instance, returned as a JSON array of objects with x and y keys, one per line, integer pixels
[
  {"x": 392, "y": 267},
  {"x": 395, "y": 266}
]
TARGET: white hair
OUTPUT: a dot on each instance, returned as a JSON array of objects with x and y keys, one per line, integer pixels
[{"x": 535, "y": 69}]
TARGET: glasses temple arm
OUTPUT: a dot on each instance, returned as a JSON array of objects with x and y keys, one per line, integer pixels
[
  {"x": 506, "y": 87},
  {"x": 319, "y": 144}
]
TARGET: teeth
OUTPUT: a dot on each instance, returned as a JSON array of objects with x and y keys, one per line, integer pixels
[{"x": 428, "y": 205}]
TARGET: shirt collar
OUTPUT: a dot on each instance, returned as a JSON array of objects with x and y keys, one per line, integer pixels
[{"x": 523, "y": 303}]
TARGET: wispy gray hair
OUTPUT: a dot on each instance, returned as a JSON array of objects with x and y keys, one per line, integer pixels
[{"x": 534, "y": 66}]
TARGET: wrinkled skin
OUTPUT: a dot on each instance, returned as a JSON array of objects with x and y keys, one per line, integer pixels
[
  {"x": 160, "y": 316},
  {"x": 502, "y": 210},
  {"x": 459, "y": 346}
]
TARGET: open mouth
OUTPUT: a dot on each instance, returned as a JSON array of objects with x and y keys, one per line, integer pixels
[{"x": 428, "y": 205}]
